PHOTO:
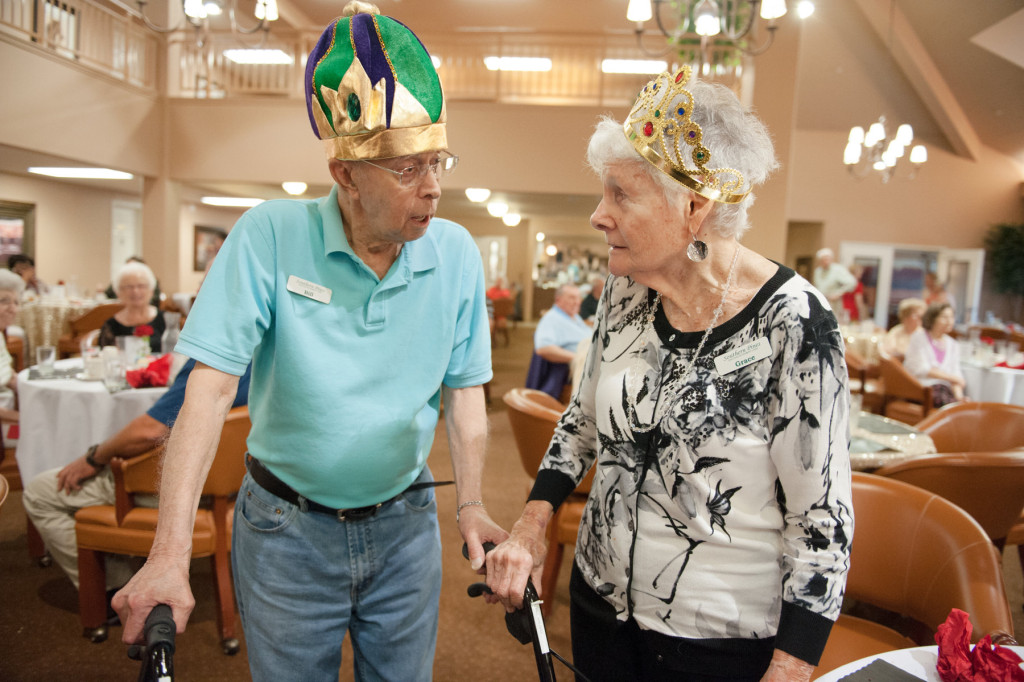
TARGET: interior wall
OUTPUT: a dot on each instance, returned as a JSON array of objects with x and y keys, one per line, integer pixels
[
  {"x": 952, "y": 201},
  {"x": 72, "y": 229}
]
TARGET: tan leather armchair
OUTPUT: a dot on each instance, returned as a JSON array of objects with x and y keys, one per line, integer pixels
[
  {"x": 906, "y": 399},
  {"x": 533, "y": 415},
  {"x": 865, "y": 379},
  {"x": 123, "y": 528},
  {"x": 916, "y": 555},
  {"x": 975, "y": 427},
  {"x": 987, "y": 485}
]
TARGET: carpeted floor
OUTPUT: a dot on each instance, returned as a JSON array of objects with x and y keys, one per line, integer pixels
[{"x": 40, "y": 633}]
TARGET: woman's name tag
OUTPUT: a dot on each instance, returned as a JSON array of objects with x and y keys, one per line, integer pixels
[
  {"x": 302, "y": 287},
  {"x": 744, "y": 355}
]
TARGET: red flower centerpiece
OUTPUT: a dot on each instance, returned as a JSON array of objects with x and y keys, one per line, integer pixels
[{"x": 143, "y": 331}]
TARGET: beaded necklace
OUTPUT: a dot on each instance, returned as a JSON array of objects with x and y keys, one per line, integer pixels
[{"x": 632, "y": 377}]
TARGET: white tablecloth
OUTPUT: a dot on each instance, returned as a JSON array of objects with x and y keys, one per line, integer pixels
[
  {"x": 61, "y": 418},
  {"x": 994, "y": 384},
  {"x": 920, "y": 661}
]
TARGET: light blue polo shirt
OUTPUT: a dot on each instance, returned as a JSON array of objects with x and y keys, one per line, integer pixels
[
  {"x": 557, "y": 328},
  {"x": 344, "y": 395}
]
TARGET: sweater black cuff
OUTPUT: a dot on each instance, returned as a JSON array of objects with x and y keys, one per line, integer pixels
[
  {"x": 802, "y": 633},
  {"x": 552, "y": 486}
]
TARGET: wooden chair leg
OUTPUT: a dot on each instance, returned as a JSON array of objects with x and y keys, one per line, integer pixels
[
  {"x": 223, "y": 587},
  {"x": 36, "y": 547},
  {"x": 552, "y": 564},
  {"x": 92, "y": 594}
]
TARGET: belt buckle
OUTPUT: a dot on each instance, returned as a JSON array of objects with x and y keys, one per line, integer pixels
[{"x": 359, "y": 513}]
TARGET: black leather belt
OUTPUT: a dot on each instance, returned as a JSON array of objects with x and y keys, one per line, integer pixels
[{"x": 274, "y": 485}]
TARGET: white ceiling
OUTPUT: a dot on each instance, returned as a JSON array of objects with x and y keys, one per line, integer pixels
[{"x": 964, "y": 86}]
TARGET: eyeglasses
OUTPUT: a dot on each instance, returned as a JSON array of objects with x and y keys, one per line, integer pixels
[{"x": 413, "y": 175}]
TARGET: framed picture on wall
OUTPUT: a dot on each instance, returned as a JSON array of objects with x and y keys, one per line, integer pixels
[
  {"x": 207, "y": 243},
  {"x": 17, "y": 230}
]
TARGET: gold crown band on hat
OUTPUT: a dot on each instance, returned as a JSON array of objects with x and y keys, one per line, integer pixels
[
  {"x": 661, "y": 120},
  {"x": 388, "y": 143}
]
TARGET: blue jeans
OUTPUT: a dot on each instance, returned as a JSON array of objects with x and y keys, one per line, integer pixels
[{"x": 303, "y": 578}]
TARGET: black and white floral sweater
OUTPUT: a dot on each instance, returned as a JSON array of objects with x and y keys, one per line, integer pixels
[{"x": 732, "y": 519}]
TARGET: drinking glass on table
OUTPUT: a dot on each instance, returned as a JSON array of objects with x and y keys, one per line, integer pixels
[
  {"x": 113, "y": 371},
  {"x": 45, "y": 357}
]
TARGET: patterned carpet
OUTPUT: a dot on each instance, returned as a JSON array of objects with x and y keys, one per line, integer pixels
[{"x": 40, "y": 633}]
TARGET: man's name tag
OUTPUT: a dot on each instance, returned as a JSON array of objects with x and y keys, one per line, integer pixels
[
  {"x": 299, "y": 286},
  {"x": 743, "y": 356}
]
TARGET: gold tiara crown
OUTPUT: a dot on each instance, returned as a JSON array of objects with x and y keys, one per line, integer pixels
[{"x": 662, "y": 131}]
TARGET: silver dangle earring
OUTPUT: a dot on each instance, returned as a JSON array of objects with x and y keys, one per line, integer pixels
[{"x": 697, "y": 250}]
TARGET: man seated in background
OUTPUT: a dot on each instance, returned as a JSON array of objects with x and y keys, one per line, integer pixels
[
  {"x": 588, "y": 308},
  {"x": 52, "y": 497},
  {"x": 558, "y": 333},
  {"x": 23, "y": 266}
]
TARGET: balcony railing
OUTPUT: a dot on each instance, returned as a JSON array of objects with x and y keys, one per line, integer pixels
[
  {"x": 113, "y": 40},
  {"x": 101, "y": 38}
]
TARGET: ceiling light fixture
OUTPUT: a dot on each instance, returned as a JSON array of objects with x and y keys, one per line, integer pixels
[
  {"x": 540, "y": 236},
  {"x": 732, "y": 24},
  {"x": 875, "y": 149},
  {"x": 81, "y": 173},
  {"x": 517, "y": 63},
  {"x": 197, "y": 13},
  {"x": 497, "y": 208},
  {"x": 511, "y": 219},
  {"x": 232, "y": 202},
  {"x": 294, "y": 188},
  {"x": 478, "y": 194}
]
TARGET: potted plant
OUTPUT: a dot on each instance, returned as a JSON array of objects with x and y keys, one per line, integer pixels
[{"x": 1005, "y": 245}]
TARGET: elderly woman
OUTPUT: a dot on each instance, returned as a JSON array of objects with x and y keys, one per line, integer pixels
[
  {"x": 134, "y": 284},
  {"x": 896, "y": 339},
  {"x": 934, "y": 357},
  {"x": 11, "y": 288},
  {"x": 714, "y": 407}
]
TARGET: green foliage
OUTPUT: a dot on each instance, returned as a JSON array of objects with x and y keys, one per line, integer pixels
[{"x": 1005, "y": 244}]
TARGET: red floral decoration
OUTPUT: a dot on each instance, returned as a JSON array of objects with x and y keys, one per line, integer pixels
[{"x": 143, "y": 330}]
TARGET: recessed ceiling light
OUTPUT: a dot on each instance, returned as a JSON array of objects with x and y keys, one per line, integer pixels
[
  {"x": 511, "y": 219},
  {"x": 81, "y": 173},
  {"x": 478, "y": 194},
  {"x": 540, "y": 236},
  {"x": 294, "y": 188},
  {"x": 517, "y": 63},
  {"x": 259, "y": 56},
  {"x": 641, "y": 66},
  {"x": 497, "y": 208},
  {"x": 232, "y": 202},
  {"x": 436, "y": 61}
]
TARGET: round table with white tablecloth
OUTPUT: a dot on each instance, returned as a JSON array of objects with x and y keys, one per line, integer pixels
[
  {"x": 919, "y": 661},
  {"x": 993, "y": 384},
  {"x": 62, "y": 417}
]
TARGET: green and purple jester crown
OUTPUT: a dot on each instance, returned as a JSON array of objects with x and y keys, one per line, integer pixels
[{"x": 371, "y": 89}]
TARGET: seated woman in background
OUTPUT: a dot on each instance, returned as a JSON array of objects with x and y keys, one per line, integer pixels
[
  {"x": 134, "y": 284},
  {"x": 11, "y": 287},
  {"x": 934, "y": 357},
  {"x": 896, "y": 339}
]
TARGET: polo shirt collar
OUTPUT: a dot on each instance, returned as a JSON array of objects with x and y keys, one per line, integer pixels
[{"x": 416, "y": 256}]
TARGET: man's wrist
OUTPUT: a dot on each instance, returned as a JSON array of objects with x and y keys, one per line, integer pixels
[{"x": 90, "y": 458}]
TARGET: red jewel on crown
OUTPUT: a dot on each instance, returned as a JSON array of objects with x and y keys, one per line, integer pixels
[{"x": 648, "y": 129}]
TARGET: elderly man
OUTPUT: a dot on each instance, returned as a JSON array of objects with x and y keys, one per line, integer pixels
[
  {"x": 832, "y": 278},
  {"x": 558, "y": 333},
  {"x": 359, "y": 310},
  {"x": 52, "y": 497}
]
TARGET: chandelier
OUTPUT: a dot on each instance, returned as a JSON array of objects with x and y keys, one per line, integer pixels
[
  {"x": 712, "y": 30},
  {"x": 875, "y": 150},
  {"x": 198, "y": 12}
]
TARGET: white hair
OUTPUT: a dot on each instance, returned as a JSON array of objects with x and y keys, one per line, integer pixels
[
  {"x": 821, "y": 253},
  {"x": 139, "y": 270},
  {"x": 735, "y": 137},
  {"x": 11, "y": 282}
]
